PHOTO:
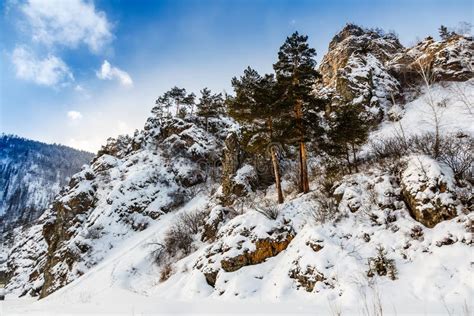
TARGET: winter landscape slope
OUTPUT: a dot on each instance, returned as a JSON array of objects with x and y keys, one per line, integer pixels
[{"x": 178, "y": 217}]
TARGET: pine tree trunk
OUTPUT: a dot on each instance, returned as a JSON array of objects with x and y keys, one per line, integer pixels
[
  {"x": 304, "y": 168},
  {"x": 354, "y": 158},
  {"x": 276, "y": 170},
  {"x": 276, "y": 165},
  {"x": 348, "y": 158},
  {"x": 304, "y": 181}
]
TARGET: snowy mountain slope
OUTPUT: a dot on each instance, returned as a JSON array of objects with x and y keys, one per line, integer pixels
[
  {"x": 130, "y": 184},
  {"x": 325, "y": 264},
  {"x": 336, "y": 252},
  {"x": 31, "y": 174},
  {"x": 173, "y": 214}
]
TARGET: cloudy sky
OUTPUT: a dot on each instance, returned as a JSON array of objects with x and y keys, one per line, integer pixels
[{"x": 78, "y": 71}]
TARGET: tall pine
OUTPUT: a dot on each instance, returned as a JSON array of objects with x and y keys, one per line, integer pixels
[
  {"x": 296, "y": 74},
  {"x": 254, "y": 106},
  {"x": 210, "y": 105},
  {"x": 348, "y": 131}
]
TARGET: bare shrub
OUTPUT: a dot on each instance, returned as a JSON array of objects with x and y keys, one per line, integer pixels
[
  {"x": 454, "y": 150},
  {"x": 178, "y": 240},
  {"x": 193, "y": 221},
  {"x": 292, "y": 173},
  {"x": 457, "y": 153},
  {"x": 325, "y": 209},
  {"x": 166, "y": 272},
  {"x": 394, "y": 147},
  {"x": 270, "y": 211}
]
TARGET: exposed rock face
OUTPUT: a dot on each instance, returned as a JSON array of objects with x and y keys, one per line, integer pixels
[
  {"x": 428, "y": 191},
  {"x": 306, "y": 277},
  {"x": 27, "y": 258},
  {"x": 240, "y": 244},
  {"x": 237, "y": 180},
  {"x": 354, "y": 69},
  {"x": 264, "y": 248},
  {"x": 369, "y": 68},
  {"x": 354, "y": 40},
  {"x": 449, "y": 60}
]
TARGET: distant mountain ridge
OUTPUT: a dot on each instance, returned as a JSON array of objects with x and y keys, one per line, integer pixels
[{"x": 31, "y": 174}]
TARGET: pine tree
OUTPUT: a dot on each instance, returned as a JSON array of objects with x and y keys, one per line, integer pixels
[
  {"x": 163, "y": 103},
  {"x": 189, "y": 101},
  {"x": 348, "y": 131},
  {"x": 210, "y": 105},
  {"x": 254, "y": 106},
  {"x": 296, "y": 74},
  {"x": 176, "y": 96},
  {"x": 444, "y": 33}
]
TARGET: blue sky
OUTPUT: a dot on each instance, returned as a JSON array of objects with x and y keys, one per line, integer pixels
[{"x": 78, "y": 71}]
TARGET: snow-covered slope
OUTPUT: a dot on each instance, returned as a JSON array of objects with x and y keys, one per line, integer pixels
[
  {"x": 131, "y": 183},
  {"x": 325, "y": 265},
  {"x": 174, "y": 214}
]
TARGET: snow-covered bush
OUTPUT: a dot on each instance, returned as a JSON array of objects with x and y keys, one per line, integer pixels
[{"x": 381, "y": 265}]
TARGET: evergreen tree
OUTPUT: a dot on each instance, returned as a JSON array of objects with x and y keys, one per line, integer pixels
[
  {"x": 176, "y": 96},
  {"x": 189, "y": 101},
  {"x": 162, "y": 105},
  {"x": 444, "y": 33},
  {"x": 296, "y": 74},
  {"x": 348, "y": 131},
  {"x": 210, "y": 105},
  {"x": 254, "y": 105}
]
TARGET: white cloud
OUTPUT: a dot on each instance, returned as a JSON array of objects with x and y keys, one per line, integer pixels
[
  {"x": 108, "y": 72},
  {"x": 74, "y": 115},
  {"x": 79, "y": 88},
  {"x": 68, "y": 23},
  {"x": 49, "y": 71}
]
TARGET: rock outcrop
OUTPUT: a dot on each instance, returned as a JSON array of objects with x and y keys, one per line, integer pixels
[
  {"x": 240, "y": 243},
  {"x": 448, "y": 60},
  {"x": 370, "y": 68},
  {"x": 428, "y": 191}
]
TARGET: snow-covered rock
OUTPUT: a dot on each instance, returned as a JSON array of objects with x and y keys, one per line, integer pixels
[{"x": 428, "y": 189}]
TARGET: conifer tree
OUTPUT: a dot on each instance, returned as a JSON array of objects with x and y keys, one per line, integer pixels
[
  {"x": 163, "y": 104},
  {"x": 296, "y": 74},
  {"x": 254, "y": 106},
  {"x": 348, "y": 131},
  {"x": 178, "y": 97},
  {"x": 444, "y": 33},
  {"x": 209, "y": 105}
]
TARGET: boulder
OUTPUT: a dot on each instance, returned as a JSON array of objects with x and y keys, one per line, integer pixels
[{"x": 428, "y": 190}]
